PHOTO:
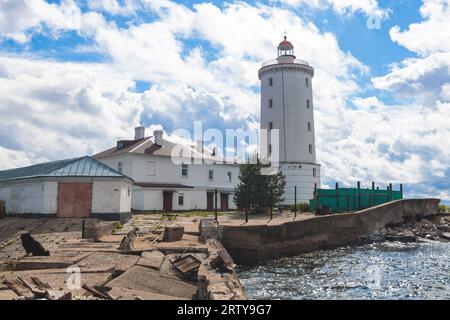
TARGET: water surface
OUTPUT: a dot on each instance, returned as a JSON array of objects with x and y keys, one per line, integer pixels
[{"x": 383, "y": 270}]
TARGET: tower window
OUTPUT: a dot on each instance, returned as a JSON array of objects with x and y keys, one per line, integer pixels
[
  {"x": 270, "y": 82},
  {"x": 120, "y": 167},
  {"x": 270, "y": 149},
  {"x": 309, "y": 126},
  {"x": 270, "y": 103},
  {"x": 314, "y": 172},
  {"x": 229, "y": 176},
  {"x": 308, "y": 104},
  {"x": 310, "y": 149},
  {"x": 307, "y": 82},
  {"x": 270, "y": 125}
]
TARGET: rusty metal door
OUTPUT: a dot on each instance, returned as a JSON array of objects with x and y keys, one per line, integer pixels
[
  {"x": 167, "y": 201},
  {"x": 223, "y": 201},
  {"x": 210, "y": 201},
  {"x": 74, "y": 200}
]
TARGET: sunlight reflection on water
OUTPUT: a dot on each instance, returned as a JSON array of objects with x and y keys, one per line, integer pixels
[{"x": 373, "y": 271}]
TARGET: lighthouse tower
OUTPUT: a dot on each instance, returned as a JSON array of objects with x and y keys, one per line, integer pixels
[{"x": 287, "y": 105}]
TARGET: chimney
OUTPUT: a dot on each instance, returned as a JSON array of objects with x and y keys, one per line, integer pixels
[
  {"x": 158, "y": 134},
  {"x": 139, "y": 133}
]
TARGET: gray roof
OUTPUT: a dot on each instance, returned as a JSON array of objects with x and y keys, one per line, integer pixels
[{"x": 77, "y": 167}]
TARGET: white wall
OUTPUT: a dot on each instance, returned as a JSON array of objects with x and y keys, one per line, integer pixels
[
  {"x": 289, "y": 113},
  {"x": 110, "y": 197},
  {"x": 29, "y": 197},
  {"x": 300, "y": 175},
  {"x": 40, "y": 196}
]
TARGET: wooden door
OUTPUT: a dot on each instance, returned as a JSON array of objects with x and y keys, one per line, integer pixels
[
  {"x": 167, "y": 201},
  {"x": 223, "y": 201},
  {"x": 209, "y": 201},
  {"x": 74, "y": 200}
]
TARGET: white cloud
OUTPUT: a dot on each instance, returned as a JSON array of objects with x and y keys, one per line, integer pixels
[
  {"x": 343, "y": 7},
  {"x": 54, "y": 110}
]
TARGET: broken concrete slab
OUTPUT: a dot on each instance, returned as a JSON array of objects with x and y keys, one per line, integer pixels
[
  {"x": 173, "y": 233},
  {"x": 47, "y": 262},
  {"x": 152, "y": 259},
  {"x": 445, "y": 235},
  {"x": 145, "y": 279},
  {"x": 127, "y": 294},
  {"x": 121, "y": 262}
]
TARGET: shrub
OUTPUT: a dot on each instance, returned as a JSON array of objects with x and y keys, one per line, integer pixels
[
  {"x": 301, "y": 207},
  {"x": 443, "y": 208}
]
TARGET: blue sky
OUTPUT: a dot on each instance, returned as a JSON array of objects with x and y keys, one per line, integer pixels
[{"x": 77, "y": 75}]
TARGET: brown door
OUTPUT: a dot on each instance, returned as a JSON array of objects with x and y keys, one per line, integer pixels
[
  {"x": 209, "y": 201},
  {"x": 224, "y": 201},
  {"x": 74, "y": 200},
  {"x": 167, "y": 202}
]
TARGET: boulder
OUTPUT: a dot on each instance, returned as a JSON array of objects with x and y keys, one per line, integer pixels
[
  {"x": 445, "y": 228},
  {"x": 445, "y": 235},
  {"x": 173, "y": 233},
  {"x": 405, "y": 236}
]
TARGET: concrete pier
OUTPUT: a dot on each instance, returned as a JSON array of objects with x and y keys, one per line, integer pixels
[{"x": 250, "y": 244}]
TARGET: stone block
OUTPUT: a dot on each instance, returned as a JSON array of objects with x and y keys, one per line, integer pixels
[
  {"x": 173, "y": 233},
  {"x": 152, "y": 259}
]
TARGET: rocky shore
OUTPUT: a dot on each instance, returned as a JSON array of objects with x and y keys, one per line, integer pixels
[{"x": 434, "y": 227}]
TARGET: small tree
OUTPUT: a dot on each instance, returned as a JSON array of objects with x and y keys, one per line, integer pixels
[{"x": 261, "y": 191}]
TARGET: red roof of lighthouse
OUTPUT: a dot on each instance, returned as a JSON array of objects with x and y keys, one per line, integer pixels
[{"x": 285, "y": 45}]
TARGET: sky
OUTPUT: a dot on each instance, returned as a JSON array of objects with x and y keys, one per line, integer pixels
[{"x": 75, "y": 76}]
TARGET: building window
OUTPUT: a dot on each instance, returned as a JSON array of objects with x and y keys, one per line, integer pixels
[
  {"x": 307, "y": 82},
  {"x": 314, "y": 172},
  {"x": 270, "y": 82},
  {"x": 308, "y": 104},
  {"x": 310, "y": 148},
  {"x": 229, "y": 176},
  {"x": 184, "y": 170},
  {"x": 120, "y": 167},
  {"x": 309, "y": 126},
  {"x": 181, "y": 199},
  {"x": 270, "y": 149},
  {"x": 211, "y": 174},
  {"x": 270, "y": 103},
  {"x": 150, "y": 168},
  {"x": 129, "y": 192},
  {"x": 270, "y": 125}
]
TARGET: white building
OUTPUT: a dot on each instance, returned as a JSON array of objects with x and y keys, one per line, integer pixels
[
  {"x": 287, "y": 105},
  {"x": 74, "y": 188},
  {"x": 162, "y": 184}
]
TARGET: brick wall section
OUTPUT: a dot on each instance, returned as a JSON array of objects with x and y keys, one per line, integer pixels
[
  {"x": 97, "y": 230},
  {"x": 216, "y": 285},
  {"x": 251, "y": 244}
]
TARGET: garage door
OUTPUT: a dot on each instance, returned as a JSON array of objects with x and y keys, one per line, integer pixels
[{"x": 74, "y": 200}]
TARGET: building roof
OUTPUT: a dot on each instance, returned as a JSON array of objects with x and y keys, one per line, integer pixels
[
  {"x": 285, "y": 45},
  {"x": 77, "y": 167},
  {"x": 147, "y": 146}
]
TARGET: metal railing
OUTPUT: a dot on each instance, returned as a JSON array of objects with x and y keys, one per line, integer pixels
[{"x": 275, "y": 61}]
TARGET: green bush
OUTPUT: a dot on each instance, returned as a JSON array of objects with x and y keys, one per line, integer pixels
[
  {"x": 301, "y": 207},
  {"x": 443, "y": 208}
]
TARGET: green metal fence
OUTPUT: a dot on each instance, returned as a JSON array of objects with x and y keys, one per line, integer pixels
[{"x": 352, "y": 199}]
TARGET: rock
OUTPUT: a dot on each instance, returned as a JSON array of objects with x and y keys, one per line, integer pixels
[
  {"x": 173, "y": 233},
  {"x": 445, "y": 228},
  {"x": 445, "y": 235},
  {"x": 426, "y": 223},
  {"x": 152, "y": 259},
  {"x": 406, "y": 236}
]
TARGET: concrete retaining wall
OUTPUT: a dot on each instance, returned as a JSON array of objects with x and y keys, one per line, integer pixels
[{"x": 251, "y": 244}]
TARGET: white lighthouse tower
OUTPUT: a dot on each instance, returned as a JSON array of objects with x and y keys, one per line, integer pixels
[{"x": 287, "y": 105}]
